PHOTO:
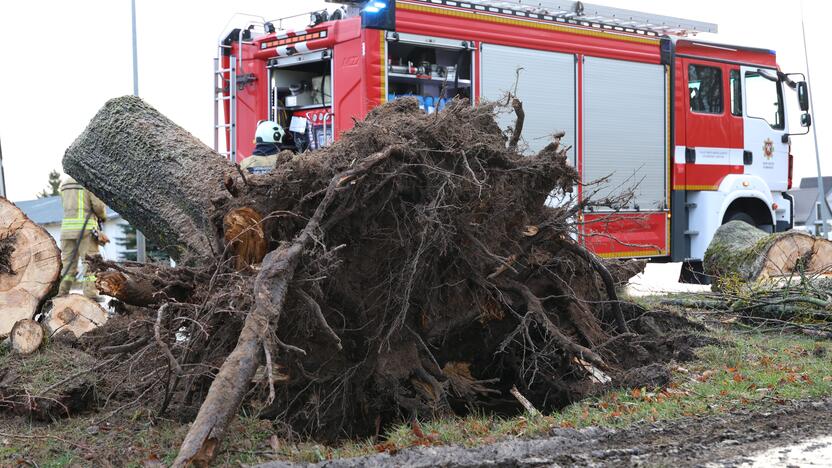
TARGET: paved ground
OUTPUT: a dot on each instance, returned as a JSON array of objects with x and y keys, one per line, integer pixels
[
  {"x": 815, "y": 452},
  {"x": 661, "y": 278},
  {"x": 739, "y": 439}
]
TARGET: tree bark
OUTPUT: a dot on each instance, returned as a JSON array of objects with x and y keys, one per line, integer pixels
[
  {"x": 159, "y": 177},
  {"x": 30, "y": 266},
  {"x": 742, "y": 252},
  {"x": 74, "y": 313}
]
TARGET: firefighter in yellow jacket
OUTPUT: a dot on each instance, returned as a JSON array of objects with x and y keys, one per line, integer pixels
[
  {"x": 268, "y": 138},
  {"x": 82, "y": 213}
]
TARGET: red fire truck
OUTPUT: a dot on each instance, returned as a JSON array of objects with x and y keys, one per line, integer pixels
[{"x": 698, "y": 128}]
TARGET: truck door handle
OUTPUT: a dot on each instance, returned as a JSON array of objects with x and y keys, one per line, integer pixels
[{"x": 747, "y": 157}]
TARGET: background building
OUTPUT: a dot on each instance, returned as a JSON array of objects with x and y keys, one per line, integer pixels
[
  {"x": 807, "y": 204},
  {"x": 48, "y": 213}
]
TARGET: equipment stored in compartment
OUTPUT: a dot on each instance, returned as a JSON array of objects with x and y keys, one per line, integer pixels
[{"x": 429, "y": 69}]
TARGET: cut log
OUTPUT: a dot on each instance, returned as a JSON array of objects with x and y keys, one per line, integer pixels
[
  {"x": 142, "y": 284},
  {"x": 742, "y": 252},
  {"x": 26, "y": 337},
  {"x": 75, "y": 313},
  {"x": 30, "y": 266},
  {"x": 127, "y": 289},
  {"x": 156, "y": 175}
]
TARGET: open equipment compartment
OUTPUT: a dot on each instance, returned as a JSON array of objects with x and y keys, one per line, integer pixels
[
  {"x": 300, "y": 98},
  {"x": 433, "y": 70}
]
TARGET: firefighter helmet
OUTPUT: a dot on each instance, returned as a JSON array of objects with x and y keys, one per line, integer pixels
[{"x": 268, "y": 132}]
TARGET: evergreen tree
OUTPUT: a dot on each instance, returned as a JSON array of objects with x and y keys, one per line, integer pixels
[
  {"x": 54, "y": 185},
  {"x": 128, "y": 243}
]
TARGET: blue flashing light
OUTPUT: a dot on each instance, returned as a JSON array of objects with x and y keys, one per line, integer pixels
[{"x": 379, "y": 14}]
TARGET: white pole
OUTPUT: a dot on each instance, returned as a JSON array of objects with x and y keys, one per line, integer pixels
[
  {"x": 2, "y": 175},
  {"x": 824, "y": 210},
  {"x": 141, "y": 252}
]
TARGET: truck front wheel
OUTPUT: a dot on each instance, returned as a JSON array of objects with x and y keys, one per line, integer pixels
[{"x": 739, "y": 216}]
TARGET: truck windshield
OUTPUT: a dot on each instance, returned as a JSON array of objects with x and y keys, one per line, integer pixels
[{"x": 764, "y": 99}]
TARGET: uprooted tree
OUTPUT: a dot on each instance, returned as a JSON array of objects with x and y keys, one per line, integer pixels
[{"x": 412, "y": 269}]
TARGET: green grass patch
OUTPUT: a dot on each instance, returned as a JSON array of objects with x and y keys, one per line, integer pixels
[{"x": 754, "y": 370}]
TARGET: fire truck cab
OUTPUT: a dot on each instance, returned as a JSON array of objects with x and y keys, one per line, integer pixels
[{"x": 697, "y": 130}]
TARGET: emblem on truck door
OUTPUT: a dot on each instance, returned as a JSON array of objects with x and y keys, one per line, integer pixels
[{"x": 768, "y": 148}]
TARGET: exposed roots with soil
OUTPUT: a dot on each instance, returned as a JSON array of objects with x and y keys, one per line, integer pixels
[{"x": 414, "y": 270}]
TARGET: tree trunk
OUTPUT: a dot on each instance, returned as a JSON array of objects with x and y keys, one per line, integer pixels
[
  {"x": 26, "y": 337},
  {"x": 30, "y": 266},
  {"x": 74, "y": 313},
  {"x": 742, "y": 252},
  {"x": 159, "y": 177}
]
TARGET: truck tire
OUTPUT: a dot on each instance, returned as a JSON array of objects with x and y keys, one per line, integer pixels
[{"x": 739, "y": 216}]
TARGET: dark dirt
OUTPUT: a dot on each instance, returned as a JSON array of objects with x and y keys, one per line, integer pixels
[
  {"x": 724, "y": 440},
  {"x": 6, "y": 251}
]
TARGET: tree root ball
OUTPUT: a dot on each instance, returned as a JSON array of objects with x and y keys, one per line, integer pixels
[{"x": 413, "y": 270}]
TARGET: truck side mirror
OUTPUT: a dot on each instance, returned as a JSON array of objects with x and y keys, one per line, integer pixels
[
  {"x": 803, "y": 97},
  {"x": 806, "y": 120}
]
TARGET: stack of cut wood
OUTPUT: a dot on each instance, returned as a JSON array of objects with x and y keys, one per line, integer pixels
[
  {"x": 60, "y": 383},
  {"x": 30, "y": 270}
]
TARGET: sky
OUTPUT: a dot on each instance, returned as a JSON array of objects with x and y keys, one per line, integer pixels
[{"x": 61, "y": 60}]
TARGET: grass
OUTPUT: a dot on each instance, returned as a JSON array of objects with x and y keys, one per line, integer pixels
[
  {"x": 755, "y": 370},
  {"x": 758, "y": 370},
  {"x": 46, "y": 367}
]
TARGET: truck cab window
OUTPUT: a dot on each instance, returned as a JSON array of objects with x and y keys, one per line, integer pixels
[
  {"x": 764, "y": 99},
  {"x": 705, "y": 88},
  {"x": 736, "y": 93}
]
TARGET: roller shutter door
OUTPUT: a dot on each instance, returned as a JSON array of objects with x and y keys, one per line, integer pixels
[
  {"x": 624, "y": 124},
  {"x": 546, "y": 87}
]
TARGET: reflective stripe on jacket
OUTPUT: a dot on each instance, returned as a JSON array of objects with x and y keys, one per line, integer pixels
[
  {"x": 258, "y": 165},
  {"x": 78, "y": 203}
]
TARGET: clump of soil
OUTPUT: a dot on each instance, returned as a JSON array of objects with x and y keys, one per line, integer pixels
[
  {"x": 6, "y": 250},
  {"x": 438, "y": 279},
  {"x": 55, "y": 382}
]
